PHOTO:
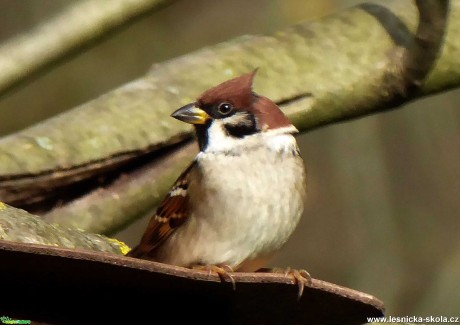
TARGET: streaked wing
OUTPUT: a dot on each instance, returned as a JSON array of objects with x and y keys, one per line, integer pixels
[{"x": 172, "y": 212}]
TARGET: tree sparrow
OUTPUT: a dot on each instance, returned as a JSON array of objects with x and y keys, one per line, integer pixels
[{"x": 243, "y": 195}]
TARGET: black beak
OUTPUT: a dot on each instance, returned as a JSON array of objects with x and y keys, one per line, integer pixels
[{"x": 191, "y": 114}]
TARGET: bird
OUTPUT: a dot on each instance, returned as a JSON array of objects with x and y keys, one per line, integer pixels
[{"x": 243, "y": 195}]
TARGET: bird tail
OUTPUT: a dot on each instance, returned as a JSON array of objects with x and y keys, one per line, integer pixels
[{"x": 136, "y": 252}]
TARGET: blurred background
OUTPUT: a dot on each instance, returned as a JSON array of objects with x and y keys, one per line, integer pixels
[{"x": 384, "y": 191}]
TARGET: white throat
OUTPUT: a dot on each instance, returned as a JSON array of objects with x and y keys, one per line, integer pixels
[{"x": 280, "y": 140}]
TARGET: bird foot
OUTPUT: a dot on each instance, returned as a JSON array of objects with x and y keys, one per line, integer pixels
[
  {"x": 223, "y": 271},
  {"x": 301, "y": 277}
]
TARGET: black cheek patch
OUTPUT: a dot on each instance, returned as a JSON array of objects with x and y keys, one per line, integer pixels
[{"x": 242, "y": 129}]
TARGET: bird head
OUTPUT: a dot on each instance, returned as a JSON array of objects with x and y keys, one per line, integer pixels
[{"x": 232, "y": 111}]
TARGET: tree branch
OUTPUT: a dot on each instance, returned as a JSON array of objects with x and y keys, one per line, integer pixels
[
  {"x": 423, "y": 51},
  {"x": 65, "y": 35},
  {"x": 336, "y": 60},
  {"x": 108, "y": 209},
  {"x": 21, "y": 227}
]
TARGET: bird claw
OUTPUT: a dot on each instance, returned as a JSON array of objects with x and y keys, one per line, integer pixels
[
  {"x": 301, "y": 277},
  {"x": 223, "y": 271}
]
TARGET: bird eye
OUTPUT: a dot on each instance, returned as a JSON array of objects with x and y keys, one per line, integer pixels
[{"x": 224, "y": 108}]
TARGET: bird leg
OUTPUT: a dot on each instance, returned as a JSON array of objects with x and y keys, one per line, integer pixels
[
  {"x": 223, "y": 271},
  {"x": 301, "y": 277}
]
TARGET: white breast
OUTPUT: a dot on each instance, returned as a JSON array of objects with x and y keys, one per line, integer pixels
[{"x": 245, "y": 205}]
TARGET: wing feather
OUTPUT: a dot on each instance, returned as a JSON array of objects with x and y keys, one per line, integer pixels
[{"x": 172, "y": 212}]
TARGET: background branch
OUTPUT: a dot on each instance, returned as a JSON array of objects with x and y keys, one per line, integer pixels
[
  {"x": 65, "y": 35},
  {"x": 132, "y": 195},
  {"x": 336, "y": 60},
  {"x": 424, "y": 48}
]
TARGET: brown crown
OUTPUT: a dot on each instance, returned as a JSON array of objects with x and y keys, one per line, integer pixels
[{"x": 238, "y": 91}]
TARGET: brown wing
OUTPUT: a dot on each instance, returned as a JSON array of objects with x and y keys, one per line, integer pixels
[{"x": 171, "y": 213}]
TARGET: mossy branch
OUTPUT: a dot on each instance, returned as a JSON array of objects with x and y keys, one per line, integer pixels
[
  {"x": 22, "y": 227},
  {"x": 321, "y": 72}
]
